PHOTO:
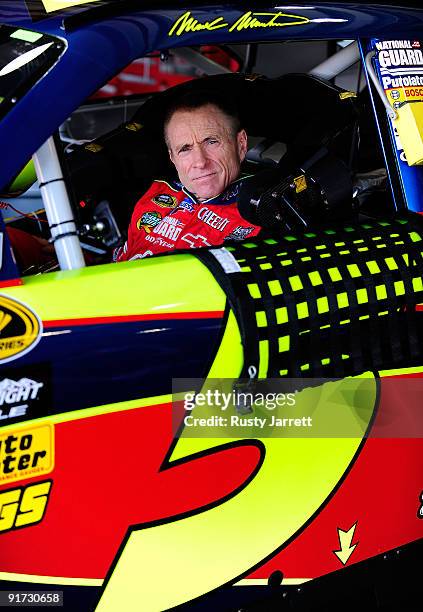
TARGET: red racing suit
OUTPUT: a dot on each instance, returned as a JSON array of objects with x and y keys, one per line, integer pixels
[{"x": 168, "y": 217}]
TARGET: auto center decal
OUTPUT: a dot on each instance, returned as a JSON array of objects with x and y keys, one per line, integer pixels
[
  {"x": 250, "y": 20},
  {"x": 20, "y": 329},
  {"x": 26, "y": 452}
]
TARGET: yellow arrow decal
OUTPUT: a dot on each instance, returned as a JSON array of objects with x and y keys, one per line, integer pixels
[{"x": 345, "y": 539}]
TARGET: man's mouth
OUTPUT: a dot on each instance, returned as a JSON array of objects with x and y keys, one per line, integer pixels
[{"x": 204, "y": 176}]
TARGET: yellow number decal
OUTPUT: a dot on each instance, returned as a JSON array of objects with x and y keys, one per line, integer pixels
[
  {"x": 33, "y": 504},
  {"x": 165, "y": 565},
  {"x": 9, "y": 503},
  {"x": 24, "y": 505}
]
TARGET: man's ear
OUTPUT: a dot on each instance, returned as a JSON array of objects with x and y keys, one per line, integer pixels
[
  {"x": 242, "y": 144},
  {"x": 170, "y": 155}
]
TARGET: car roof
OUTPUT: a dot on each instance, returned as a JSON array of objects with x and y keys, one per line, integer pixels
[{"x": 102, "y": 37}]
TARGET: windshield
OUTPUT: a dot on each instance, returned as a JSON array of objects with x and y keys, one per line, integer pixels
[{"x": 25, "y": 56}]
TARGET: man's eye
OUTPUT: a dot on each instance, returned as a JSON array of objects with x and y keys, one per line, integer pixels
[{"x": 212, "y": 141}]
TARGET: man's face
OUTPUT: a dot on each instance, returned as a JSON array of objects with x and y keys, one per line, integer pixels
[{"x": 205, "y": 152}]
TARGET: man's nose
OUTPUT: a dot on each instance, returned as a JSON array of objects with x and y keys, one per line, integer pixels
[{"x": 199, "y": 157}]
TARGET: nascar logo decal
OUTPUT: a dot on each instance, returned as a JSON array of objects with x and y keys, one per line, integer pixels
[
  {"x": 165, "y": 200},
  {"x": 20, "y": 329}
]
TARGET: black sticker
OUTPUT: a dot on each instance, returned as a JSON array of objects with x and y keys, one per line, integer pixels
[{"x": 25, "y": 393}]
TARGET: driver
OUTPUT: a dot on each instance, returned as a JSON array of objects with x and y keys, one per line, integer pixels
[{"x": 206, "y": 144}]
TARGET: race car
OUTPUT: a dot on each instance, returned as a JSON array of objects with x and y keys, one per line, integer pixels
[{"x": 223, "y": 428}]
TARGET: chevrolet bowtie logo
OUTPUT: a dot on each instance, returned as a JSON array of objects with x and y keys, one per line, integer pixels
[{"x": 4, "y": 320}]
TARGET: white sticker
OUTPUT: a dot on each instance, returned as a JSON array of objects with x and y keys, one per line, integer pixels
[{"x": 226, "y": 260}]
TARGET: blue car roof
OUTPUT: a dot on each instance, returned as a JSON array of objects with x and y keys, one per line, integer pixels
[{"x": 103, "y": 37}]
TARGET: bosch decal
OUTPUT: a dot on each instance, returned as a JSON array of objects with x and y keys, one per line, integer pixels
[
  {"x": 26, "y": 453},
  {"x": 20, "y": 329},
  {"x": 165, "y": 200},
  {"x": 211, "y": 218},
  {"x": 24, "y": 506},
  {"x": 148, "y": 221}
]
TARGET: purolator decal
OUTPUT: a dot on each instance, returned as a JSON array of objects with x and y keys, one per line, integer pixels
[
  {"x": 26, "y": 452},
  {"x": 247, "y": 21},
  {"x": 401, "y": 71},
  {"x": 20, "y": 329}
]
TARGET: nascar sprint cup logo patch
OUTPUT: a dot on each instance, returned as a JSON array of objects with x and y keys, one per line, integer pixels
[
  {"x": 20, "y": 329},
  {"x": 165, "y": 200}
]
